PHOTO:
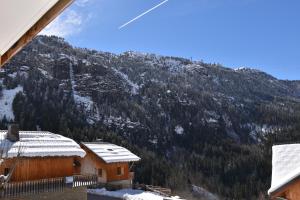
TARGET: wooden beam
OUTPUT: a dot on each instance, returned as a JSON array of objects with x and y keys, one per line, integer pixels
[{"x": 35, "y": 29}]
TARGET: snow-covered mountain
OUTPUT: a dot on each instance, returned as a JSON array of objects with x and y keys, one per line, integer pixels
[
  {"x": 163, "y": 95},
  {"x": 159, "y": 102}
]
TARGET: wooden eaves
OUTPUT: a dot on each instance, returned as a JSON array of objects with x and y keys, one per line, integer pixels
[
  {"x": 281, "y": 190},
  {"x": 29, "y": 34}
]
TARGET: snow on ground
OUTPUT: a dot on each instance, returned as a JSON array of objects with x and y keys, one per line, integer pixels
[
  {"x": 45, "y": 55},
  {"x": 6, "y": 101},
  {"x": 130, "y": 194},
  {"x": 260, "y": 129},
  {"x": 89, "y": 106},
  {"x": 13, "y": 75},
  {"x": 211, "y": 120},
  {"x": 120, "y": 122},
  {"x": 24, "y": 68},
  {"x": 240, "y": 68},
  {"x": 134, "y": 87},
  {"x": 84, "y": 101},
  {"x": 202, "y": 193},
  {"x": 86, "y": 62},
  {"x": 193, "y": 66},
  {"x": 179, "y": 130},
  {"x": 247, "y": 69},
  {"x": 172, "y": 64}
]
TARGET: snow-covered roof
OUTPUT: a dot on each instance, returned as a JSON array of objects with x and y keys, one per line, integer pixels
[
  {"x": 40, "y": 144},
  {"x": 111, "y": 153},
  {"x": 285, "y": 165}
]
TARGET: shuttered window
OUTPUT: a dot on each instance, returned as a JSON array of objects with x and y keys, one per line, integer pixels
[{"x": 120, "y": 171}]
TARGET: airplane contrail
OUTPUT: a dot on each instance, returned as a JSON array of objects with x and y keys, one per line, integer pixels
[{"x": 141, "y": 15}]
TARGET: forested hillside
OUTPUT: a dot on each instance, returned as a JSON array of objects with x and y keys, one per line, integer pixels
[{"x": 190, "y": 122}]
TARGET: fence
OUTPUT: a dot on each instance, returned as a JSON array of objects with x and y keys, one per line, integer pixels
[
  {"x": 84, "y": 180},
  {"x": 166, "y": 192},
  {"x": 159, "y": 190},
  {"x": 16, "y": 189}
]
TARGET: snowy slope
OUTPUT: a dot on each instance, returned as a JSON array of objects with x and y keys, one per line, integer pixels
[{"x": 6, "y": 101}]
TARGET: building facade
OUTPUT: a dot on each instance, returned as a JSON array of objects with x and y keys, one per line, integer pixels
[
  {"x": 111, "y": 163},
  {"x": 35, "y": 155}
]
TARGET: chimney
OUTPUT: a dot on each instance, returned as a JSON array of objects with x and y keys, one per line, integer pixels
[{"x": 13, "y": 132}]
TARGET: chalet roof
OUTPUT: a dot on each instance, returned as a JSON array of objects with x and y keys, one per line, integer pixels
[
  {"x": 40, "y": 144},
  {"x": 111, "y": 153},
  {"x": 22, "y": 20},
  {"x": 285, "y": 165}
]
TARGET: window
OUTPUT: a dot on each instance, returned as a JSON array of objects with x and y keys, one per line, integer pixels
[
  {"x": 100, "y": 172},
  {"x": 76, "y": 163},
  {"x": 120, "y": 171},
  {"x": 6, "y": 171}
]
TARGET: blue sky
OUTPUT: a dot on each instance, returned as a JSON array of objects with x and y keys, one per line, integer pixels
[{"x": 261, "y": 34}]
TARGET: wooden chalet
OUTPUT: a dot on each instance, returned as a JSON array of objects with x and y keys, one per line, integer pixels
[
  {"x": 285, "y": 172},
  {"x": 111, "y": 163},
  {"x": 34, "y": 155}
]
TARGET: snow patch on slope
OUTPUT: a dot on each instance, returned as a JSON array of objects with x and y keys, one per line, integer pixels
[
  {"x": 45, "y": 73},
  {"x": 6, "y": 101},
  {"x": 89, "y": 106},
  {"x": 179, "y": 130},
  {"x": 203, "y": 193},
  {"x": 134, "y": 87},
  {"x": 120, "y": 122}
]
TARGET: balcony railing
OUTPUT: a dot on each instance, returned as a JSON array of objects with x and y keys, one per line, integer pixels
[{"x": 16, "y": 189}]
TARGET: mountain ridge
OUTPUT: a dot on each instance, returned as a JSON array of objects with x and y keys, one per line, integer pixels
[{"x": 200, "y": 121}]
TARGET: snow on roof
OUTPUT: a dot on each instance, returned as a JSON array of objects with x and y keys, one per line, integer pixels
[
  {"x": 111, "y": 153},
  {"x": 285, "y": 165},
  {"x": 40, "y": 144}
]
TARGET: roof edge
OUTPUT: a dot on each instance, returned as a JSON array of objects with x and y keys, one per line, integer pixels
[
  {"x": 290, "y": 180},
  {"x": 83, "y": 143},
  {"x": 49, "y": 16}
]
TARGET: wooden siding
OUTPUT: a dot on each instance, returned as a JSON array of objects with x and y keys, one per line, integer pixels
[
  {"x": 39, "y": 168},
  {"x": 291, "y": 191},
  {"x": 91, "y": 163}
]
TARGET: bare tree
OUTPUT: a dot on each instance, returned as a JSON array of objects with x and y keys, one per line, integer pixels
[{"x": 5, "y": 147}]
